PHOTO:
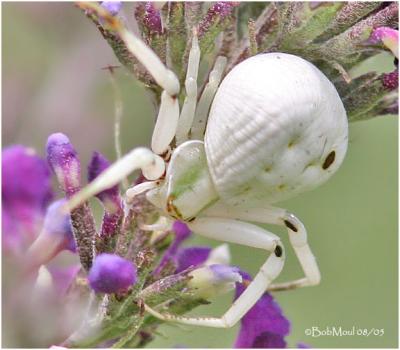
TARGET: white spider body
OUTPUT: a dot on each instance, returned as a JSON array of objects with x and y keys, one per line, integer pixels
[
  {"x": 276, "y": 127},
  {"x": 274, "y": 120}
]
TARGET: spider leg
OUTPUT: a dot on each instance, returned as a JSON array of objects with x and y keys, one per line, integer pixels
[
  {"x": 297, "y": 237},
  {"x": 241, "y": 233},
  {"x": 168, "y": 115},
  {"x": 134, "y": 191},
  {"x": 151, "y": 164},
  {"x": 189, "y": 105},
  {"x": 203, "y": 107}
]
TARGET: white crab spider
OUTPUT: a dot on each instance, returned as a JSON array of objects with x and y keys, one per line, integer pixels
[{"x": 276, "y": 128}]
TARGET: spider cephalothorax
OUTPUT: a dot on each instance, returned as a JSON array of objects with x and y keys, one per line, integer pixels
[{"x": 275, "y": 128}]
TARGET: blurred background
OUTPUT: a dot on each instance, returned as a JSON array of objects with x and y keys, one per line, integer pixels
[{"x": 53, "y": 81}]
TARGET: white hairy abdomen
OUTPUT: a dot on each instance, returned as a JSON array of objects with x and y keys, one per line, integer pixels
[{"x": 273, "y": 123}]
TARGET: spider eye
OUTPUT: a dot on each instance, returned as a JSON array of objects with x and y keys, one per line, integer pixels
[{"x": 329, "y": 160}]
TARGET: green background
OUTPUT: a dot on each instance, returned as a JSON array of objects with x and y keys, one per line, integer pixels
[{"x": 53, "y": 81}]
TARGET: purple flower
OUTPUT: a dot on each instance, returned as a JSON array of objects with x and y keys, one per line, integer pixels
[
  {"x": 192, "y": 256},
  {"x": 109, "y": 197},
  {"x": 58, "y": 225},
  {"x": 182, "y": 232},
  {"x": 217, "y": 13},
  {"x": 152, "y": 18},
  {"x": 264, "y": 325},
  {"x": 111, "y": 274},
  {"x": 26, "y": 192},
  {"x": 63, "y": 277},
  {"x": 386, "y": 36},
  {"x": 64, "y": 161},
  {"x": 391, "y": 80},
  {"x": 213, "y": 280},
  {"x": 56, "y": 236},
  {"x": 112, "y": 6}
]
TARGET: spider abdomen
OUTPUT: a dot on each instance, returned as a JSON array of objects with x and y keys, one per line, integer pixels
[{"x": 277, "y": 127}]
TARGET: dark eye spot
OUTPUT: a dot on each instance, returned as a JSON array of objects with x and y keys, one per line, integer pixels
[
  {"x": 290, "y": 226},
  {"x": 278, "y": 251},
  {"x": 329, "y": 160}
]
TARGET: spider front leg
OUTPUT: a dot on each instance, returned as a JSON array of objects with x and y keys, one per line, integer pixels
[
  {"x": 152, "y": 166},
  {"x": 297, "y": 237},
  {"x": 168, "y": 115},
  {"x": 228, "y": 230}
]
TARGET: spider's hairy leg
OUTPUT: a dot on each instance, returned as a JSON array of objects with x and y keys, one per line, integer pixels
[
  {"x": 234, "y": 231},
  {"x": 203, "y": 107},
  {"x": 151, "y": 164},
  {"x": 297, "y": 237},
  {"x": 189, "y": 106}
]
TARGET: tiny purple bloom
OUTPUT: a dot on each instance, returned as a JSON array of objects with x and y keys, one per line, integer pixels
[
  {"x": 303, "y": 346},
  {"x": 391, "y": 80},
  {"x": 152, "y": 18},
  {"x": 210, "y": 281},
  {"x": 192, "y": 256},
  {"x": 182, "y": 232},
  {"x": 386, "y": 36},
  {"x": 112, "y": 6},
  {"x": 58, "y": 225},
  {"x": 64, "y": 161},
  {"x": 111, "y": 274},
  {"x": 26, "y": 192},
  {"x": 264, "y": 325},
  {"x": 216, "y": 13},
  {"x": 109, "y": 197},
  {"x": 223, "y": 272},
  {"x": 63, "y": 277}
]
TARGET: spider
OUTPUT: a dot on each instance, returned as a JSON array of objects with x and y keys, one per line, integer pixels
[{"x": 276, "y": 127}]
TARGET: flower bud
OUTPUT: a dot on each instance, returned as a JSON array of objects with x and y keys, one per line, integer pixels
[
  {"x": 112, "y": 6},
  {"x": 64, "y": 161},
  {"x": 210, "y": 281},
  {"x": 219, "y": 255},
  {"x": 111, "y": 274}
]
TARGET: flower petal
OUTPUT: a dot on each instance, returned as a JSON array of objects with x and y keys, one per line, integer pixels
[
  {"x": 193, "y": 256},
  {"x": 26, "y": 192},
  {"x": 264, "y": 325}
]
